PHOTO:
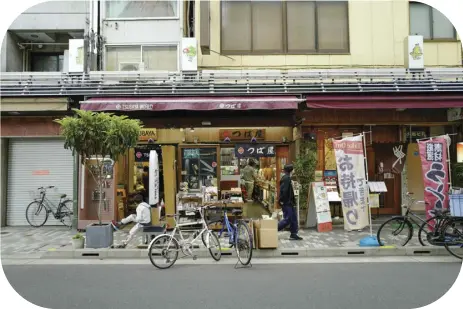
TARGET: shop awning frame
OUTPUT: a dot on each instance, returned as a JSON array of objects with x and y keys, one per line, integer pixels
[
  {"x": 126, "y": 104},
  {"x": 384, "y": 102},
  {"x": 232, "y": 82}
]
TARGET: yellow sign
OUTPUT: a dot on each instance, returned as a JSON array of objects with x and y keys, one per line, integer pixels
[
  {"x": 417, "y": 52},
  {"x": 147, "y": 134}
]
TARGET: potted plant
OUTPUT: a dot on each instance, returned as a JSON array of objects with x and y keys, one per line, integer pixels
[
  {"x": 78, "y": 241},
  {"x": 99, "y": 138},
  {"x": 304, "y": 171}
]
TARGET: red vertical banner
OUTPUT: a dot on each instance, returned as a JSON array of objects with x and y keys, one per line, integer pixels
[{"x": 433, "y": 154}]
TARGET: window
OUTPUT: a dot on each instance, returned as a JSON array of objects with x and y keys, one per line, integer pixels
[
  {"x": 129, "y": 58},
  {"x": 429, "y": 22},
  {"x": 46, "y": 62},
  {"x": 205, "y": 32},
  {"x": 279, "y": 27},
  {"x": 199, "y": 167},
  {"x": 141, "y": 9}
]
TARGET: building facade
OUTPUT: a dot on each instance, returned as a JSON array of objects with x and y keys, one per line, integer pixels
[{"x": 192, "y": 70}]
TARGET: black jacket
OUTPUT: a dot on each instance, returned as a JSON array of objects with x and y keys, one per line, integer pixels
[{"x": 286, "y": 191}]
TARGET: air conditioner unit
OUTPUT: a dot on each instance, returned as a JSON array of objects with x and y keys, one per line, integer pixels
[{"x": 131, "y": 66}]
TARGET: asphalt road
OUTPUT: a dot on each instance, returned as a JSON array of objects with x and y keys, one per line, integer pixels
[{"x": 265, "y": 286}]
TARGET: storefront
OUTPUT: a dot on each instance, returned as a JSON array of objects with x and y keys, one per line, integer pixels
[
  {"x": 392, "y": 126},
  {"x": 33, "y": 156},
  {"x": 201, "y": 146}
]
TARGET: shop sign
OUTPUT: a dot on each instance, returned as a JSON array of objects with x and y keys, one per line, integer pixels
[
  {"x": 254, "y": 151},
  {"x": 143, "y": 155},
  {"x": 147, "y": 134},
  {"x": 352, "y": 181},
  {"x": 189, "y": 60},
  {"x": 242, "y": 134},
  {"x": 433, "y": 155},
  {"x": 415, "y": 135},
  {"x": 191, "y": 153},
  {"x": 76, "y": 56}
]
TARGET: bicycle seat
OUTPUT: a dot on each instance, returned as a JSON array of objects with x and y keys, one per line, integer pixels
[
  {"x": 438, "y": 212},
  {"x": 63, "y": 195},
  {"x": 237, "y": 211}
]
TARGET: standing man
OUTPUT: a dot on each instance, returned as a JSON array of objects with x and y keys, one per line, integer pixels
[
  {"x": 249, "y": 177},
  {"x": 288, "y": 202}
]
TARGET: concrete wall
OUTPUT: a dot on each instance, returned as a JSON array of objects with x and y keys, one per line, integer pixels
[
  {"x": 12, "y": 52},
  {"x": 377, "y": 30},
  {"x": 53, "y": 15}
]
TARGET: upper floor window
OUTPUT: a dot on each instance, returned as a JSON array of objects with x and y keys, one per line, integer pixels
[
  {"x": 141, "y": 9},
  {"x": 281, "y": 27},
  {"x": 137, "y": 58},
  {"x": 429, "y": 22}
]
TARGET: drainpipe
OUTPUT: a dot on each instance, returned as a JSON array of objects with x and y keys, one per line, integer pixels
[{"x": 75, "y": 191}]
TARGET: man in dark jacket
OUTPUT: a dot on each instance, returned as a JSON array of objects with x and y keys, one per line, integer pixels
[{"x": 288, "y": 202}]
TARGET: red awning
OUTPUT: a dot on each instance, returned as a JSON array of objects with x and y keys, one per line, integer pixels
[
  {"x": 384, "y": 102},
  {"x": 191, "y": 103}
]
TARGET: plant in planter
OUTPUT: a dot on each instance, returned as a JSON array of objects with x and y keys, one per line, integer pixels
[
  {"x": 78, "y": 241},
  {"x": 99, "y": 138},
  {"x": 304, "y": 170}
]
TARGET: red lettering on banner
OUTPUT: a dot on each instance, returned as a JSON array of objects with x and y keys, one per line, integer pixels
[{"x": 349, "y": 147}]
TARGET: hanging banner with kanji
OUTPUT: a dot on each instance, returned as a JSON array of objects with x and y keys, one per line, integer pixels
[
  {"x": 350, "y": 162},
  {"x": 433, "y": 154}
]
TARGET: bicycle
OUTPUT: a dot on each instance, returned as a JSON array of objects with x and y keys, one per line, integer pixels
[
  {"x": 399, "y": 223},
  {"x": 42, "y": 208},
  {"x": 185, "y": 246},
  {"x": 233, "y": 229},
  {"x": 451, "y": 234}
]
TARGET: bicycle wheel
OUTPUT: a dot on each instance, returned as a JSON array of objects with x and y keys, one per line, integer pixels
[
  {"x": 243, "y": 243},
  {"x": 166, "y": 247},
  {"x": 36, "y": 214},
  {"x": 391, "y": 230},
  {"x": 453, "y": 232},
  {"x": 425, "y": 234},
  {"x": 66, "y": 213},
  {"x": 210, "y": 237}
]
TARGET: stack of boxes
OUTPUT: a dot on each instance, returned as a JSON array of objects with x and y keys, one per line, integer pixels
[{"x": 266, "y": 233}]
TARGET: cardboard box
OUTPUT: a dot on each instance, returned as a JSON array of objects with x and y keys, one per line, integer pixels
[
  {"x": 266, "y": 233},
  {"x": 268, "y": 238}
]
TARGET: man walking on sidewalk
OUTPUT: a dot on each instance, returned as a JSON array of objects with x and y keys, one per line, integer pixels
[{"x": 288, "y": 202}]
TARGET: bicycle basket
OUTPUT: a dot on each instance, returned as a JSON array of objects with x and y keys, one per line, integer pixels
[
  {"x": 456, "y": 205},
  {"x": 35, "y": 195}
]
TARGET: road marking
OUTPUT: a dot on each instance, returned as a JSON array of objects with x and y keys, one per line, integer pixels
[{"x": 256, "y": 261}]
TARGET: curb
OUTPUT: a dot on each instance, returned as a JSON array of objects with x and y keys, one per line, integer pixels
[{"x": 261, "y": 253}]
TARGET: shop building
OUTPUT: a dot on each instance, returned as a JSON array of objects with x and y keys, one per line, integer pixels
[
  {"x": 33, "y": 155},
  {"x": 200, "y": 141}
]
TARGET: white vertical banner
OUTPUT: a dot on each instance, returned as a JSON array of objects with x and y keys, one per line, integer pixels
[
  {"x": 76, "y": 56},
  {"x": 350, "y": 162},
  {"x": 189, "y": 52},
  {"x": 153, "y": 178}
]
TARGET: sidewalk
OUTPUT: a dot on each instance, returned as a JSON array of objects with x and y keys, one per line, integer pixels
[{"x": 41, "y": 242}]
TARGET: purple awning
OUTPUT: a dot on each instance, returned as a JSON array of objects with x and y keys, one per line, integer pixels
[
  {"x": 191, "y": 103},
  {"x": 385, "y": 102}
]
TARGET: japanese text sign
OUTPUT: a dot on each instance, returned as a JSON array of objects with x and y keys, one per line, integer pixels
[
  {"x": 433, "y": 154},
  {"x": 254, "y": 151},
  {"x": 242, "y": 134},
  {"x": 350, "y": 163}
]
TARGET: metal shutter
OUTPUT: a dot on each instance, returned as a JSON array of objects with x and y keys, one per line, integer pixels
[{"x": 34, "y": 163}]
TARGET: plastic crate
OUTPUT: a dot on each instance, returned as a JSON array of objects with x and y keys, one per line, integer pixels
[{"x": 456, "y": 205}]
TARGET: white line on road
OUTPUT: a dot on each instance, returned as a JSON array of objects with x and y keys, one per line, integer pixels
[{"x": 257, "y": 261}]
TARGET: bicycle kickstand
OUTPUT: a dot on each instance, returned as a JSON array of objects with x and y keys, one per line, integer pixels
[{"x": 238, "y": 265}]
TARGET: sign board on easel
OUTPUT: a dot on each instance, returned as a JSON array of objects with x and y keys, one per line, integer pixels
[{"x": 319, "y": 214}]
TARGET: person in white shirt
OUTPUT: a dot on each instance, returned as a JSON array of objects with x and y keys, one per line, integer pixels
[{"x": 141, "y": 219}]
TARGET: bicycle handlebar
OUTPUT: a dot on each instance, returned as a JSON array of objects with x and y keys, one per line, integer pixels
[{"x": 45, "y": 188}]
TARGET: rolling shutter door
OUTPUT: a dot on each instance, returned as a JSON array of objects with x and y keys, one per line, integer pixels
[{"x": 37, "y": 163}]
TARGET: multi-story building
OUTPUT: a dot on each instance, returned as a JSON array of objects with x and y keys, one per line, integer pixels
[{"x": 191, "y": 70}]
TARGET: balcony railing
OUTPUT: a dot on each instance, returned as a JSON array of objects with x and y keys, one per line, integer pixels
[{"x": 231, "y": 82}]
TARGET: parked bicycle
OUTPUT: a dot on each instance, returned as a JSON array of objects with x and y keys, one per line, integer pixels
[
  {"x": 393, "y": 228},
  {"x": 239, "y": 235},
  {"x": 38, "y": 211},
  {"x": 167, "y": 246}
]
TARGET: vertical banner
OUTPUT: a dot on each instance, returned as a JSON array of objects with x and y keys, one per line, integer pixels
[
  {"x": 350, "y": 163},
  {"x": 433, "y": 154},
  {"x": 154, "y": 178}
]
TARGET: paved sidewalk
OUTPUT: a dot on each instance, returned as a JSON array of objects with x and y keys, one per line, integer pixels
[{"x": 26, "y": 240}]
